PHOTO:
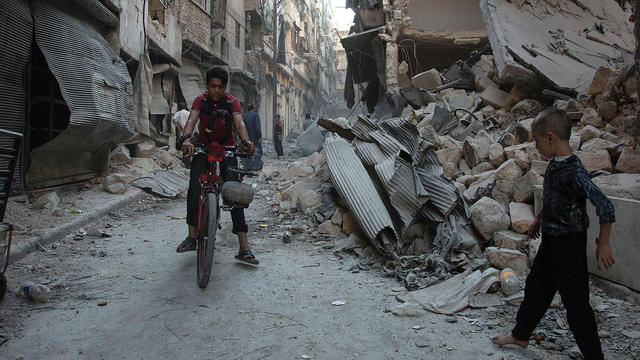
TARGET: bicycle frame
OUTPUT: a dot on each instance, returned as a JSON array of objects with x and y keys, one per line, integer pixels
[{"x": 209, "y": 183}]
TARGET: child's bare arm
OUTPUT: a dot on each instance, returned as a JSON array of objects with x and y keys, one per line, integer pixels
[{"x": 604, "y": 256}]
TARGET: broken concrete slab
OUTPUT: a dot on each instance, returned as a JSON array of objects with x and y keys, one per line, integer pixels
[
  {"x": 476, "y": 150},
  {"x": 144, "y": 149},
  {"x": 522, "y": 154},
  {"x": 608, "y": 110},
  {"x": 523, "y": 130},
  {"x": 597, "y": 144},
  {"x": 594, "y": 161},
  {"x": 507, "y": 258},
  {"x": 495, "y": 97},
  {"x": 526, "y": 108},
  {"x": 508, "y": 239},
  {"x": 569, "y": 58},
  {"x": 479, "y": 189},
  {"x": 524, "y": 187},
  {"x": 589, "y": 132},
  {"x": 115, "y": 184},
  {"x": 165, "y": 183},
  {"x": 308, "y": 199},
  {"x": 120, "y": 155},
  {"x": 629, "y": 161},
  {"x": 427, "y": 80},
  {"x": 328, "y": 228},
  {"x": 572, "y": 107},
  {"x": 619, "y": 185},
  {"x": 496, "y": 154},
  {"x": 591, "y": 117}
]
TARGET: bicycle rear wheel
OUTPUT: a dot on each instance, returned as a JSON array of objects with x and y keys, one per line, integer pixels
[{"x": 207, "y": 239}]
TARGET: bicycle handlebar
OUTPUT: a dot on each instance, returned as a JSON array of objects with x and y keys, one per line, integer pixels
[{"x": 229, "y": 151}]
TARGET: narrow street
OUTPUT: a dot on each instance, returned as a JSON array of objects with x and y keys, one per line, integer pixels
[{"x": 132, "y": 297}]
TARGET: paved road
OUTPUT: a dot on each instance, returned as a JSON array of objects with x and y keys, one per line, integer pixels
[{"x": 279, "y": 310}]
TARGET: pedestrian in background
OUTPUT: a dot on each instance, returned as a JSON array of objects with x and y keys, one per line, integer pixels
[
  {"x": 277, "y": 138},
  {"x": 251, "y": 121},
  {"x": 307, "y": 121}
]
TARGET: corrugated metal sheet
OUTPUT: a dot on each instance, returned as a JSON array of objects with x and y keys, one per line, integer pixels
[
  {"x": 369, "y": 153},
  {"x": 363, "y": 127},
  {"x": 94, "y": 82},
  {"x": 166, "y": 183},
  {"x": 407, "y": 195},
  {"x": 352, "y": 182},
  {"x": 405, "y": 132},
  {"x": 99, "y": 12},
  {"x": 388, "y": 144},
  {"x": 385, "y": 171},
  {"x": 16, "y": 31}
]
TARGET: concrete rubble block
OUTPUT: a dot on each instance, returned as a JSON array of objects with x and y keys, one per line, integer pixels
[
  {"x": 292, "y": 191},
  {"x": 504, "y": 117},
  {"x": 521, "y": 217},
  {"x": 337, "y": 217},
  {"x": 523, "y": 130},
  {"x": 464, "y": 167},
  {"x": 503, "y": 198},
  {"x": 403, "y": 78},
  {"x": 589, "y": 132},
  {"x": 427, "y": 80},
  {"x": 496, "y": 154},
  {"x": 607, "y": 135},
  {"x": 508, "y": 239},
  {"x": 527, "y": 108},
  {"x": 572, "y": 107},
  {"x": 597, "y": 144},
  {"x": 144, "y": 149},
  {"x": 460, "y": 186},
  {"x": 452, "y": 155},
  {"x": 463, "y": 101},
  {"x": 539, "y": 167},
  {"x": 507, "y": 258},
  {"x": 475, "y": 150},
  {"x": 522, "y": 154},
  {"x": 479, "y": 189},
  {"x": 297, "y": 170},
  {"x": 629, "y": 161},
  {"x": 449, "y": 170},
  {"x": 508, "y": 139},
  {"x": 594, "y": 161},
  {"x": 329, "y": 228},
  {"x": 115, "y": 184},
  {"x": 313, "y": 161},
  {"x": 504, "y": 186},
  {"x": 485, "y": 66},
  {"x": 488, "y": 216},
  {"x": 163, "y": 158},
  {"x": 488, "y": 111},
  {"x": 519, "y": 93},
  {"x": 574, "y": 141},
  {"x": 146, "y": 165},
  {"x": 484, "y": 82},
  {"x": 608, "y": 110},
  {"x": 308, "y": 199},
  {"x": 310, "y": 140},
  {"x": 120, "y": 155},
  {"x": 447, "y": 94},
  {"x": 495, "y": 97},
  {"x": 349, "y": 224},
  {"x": 524, "y": 187},
  {"x": 625, "y": 186},
  {"x": 509, "y": 170},
  {"x": 48, "y": 202},
  {"x": 591, "y": 117},
  {"x": 603, "y": 81},
  {"x": 482, "y": 168}
]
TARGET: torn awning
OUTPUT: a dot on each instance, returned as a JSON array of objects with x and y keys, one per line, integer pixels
[
  {"x": 563, "y": 41},
  {"x": 166, "y": 183},
  {"x": 361, "y": 55},
  {"x": 191, "y": 82},
  {"x": 159, "y": 105}
]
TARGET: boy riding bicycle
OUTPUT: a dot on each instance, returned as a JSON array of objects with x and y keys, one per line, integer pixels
[{"x": 215, "y": 136}]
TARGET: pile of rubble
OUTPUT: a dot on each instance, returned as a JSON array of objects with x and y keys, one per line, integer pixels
[{"x": 447, "y": 183}]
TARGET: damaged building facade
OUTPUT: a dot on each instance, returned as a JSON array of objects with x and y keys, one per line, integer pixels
[{"x": 79, "y": 77}]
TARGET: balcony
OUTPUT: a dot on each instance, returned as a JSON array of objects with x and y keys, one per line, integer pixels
[
  {"x": 218, "y": 14},
  {"x": 254, "y": 9}
]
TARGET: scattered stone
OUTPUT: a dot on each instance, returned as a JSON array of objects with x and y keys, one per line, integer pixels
[
  {"x": 507, "y": 258},
  {"x": 488, "y": 216},
  {"x": 508, "y": 239},
  {"x": 594, "y": 161},
  {"x": 597, "y": 144},
  {"x": 308, "y": 199},
  {"x": 603, "y": 81},
  {"x": 539, "y": 167},
  {"x": 482, "y": 167},
  {"x": 619, "y": 185},
  {"x": 521, "y": 217},
  {"x": 523, "y": 130},
  {"x": 452, "y": 155},
  {"x": 476, "y": 150},
  {"x": 144, "y": 149},
  {"x": 589, "y": 132},
  {"x": 286, "y": 237},
  {"x": 574, "y": 142},
  {"x": 120, "y": 155},
  {"x": 48, "y": 202},
  {"x": 629, "y": 161},
  {"x": 488, "y": 111},
  {"x": 407, "y": 309},
  {"x": 518, "y": 94},
  {"x": 495, "y": 97},
  {"x": 496, "y": 154},
  {"x": 525, "y": 186},
  {"x": 572, "y": 107},
  {"x": 526, "y": 109},
  {"x": 329, "y": 228},
  {"x": 337, "y": 216},
  {"x": 480, "y": 188},
  {"x": 522, "y": 154},
  {"x": 115, "y": 184},
  {"x": 297, "y": 170},
  {"x": 427, "y": 80},
  {"x": 591, "y": 117},
  {"x": 349, "y": 224},
  {"x": 608, "y": 110}
]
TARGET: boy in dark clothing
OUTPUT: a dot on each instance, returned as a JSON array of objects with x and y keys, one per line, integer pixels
[{"x": 561, "y": 263}]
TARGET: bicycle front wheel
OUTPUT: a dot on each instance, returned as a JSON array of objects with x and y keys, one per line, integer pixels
[{"x": 206, "y": 242}]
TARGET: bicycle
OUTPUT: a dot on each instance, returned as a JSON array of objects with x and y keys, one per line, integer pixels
[{"x": 237, "y": 194}]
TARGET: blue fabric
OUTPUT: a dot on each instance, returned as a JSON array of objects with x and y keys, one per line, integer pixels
[
  {"x": 253, "y": 162},
  {"x": 252, "y": 122},
  {"x": 567, "y": 185}
]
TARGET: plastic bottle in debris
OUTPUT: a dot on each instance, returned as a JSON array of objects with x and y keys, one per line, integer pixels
[
  {"x": 35, "y": 292},
  {"x": 509, "y": 281}
]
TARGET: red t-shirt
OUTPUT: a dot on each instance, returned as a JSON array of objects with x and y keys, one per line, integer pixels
[{"x": 219, "y": 127}]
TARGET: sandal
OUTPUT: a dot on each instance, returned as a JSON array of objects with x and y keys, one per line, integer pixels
[
  {"x": 189, "y": 244},
  {"x": 247, "y": 257}
]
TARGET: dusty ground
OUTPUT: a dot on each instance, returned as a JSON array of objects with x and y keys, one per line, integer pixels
[{"x": 281, "y": 309}]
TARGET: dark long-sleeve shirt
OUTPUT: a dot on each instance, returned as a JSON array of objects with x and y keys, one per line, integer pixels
[
  {"x": 567, "y": 185},
  {"x": 252, "y": 122}
]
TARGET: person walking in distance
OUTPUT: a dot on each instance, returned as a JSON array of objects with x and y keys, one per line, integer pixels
[
  {"x": 251, "y": 121},
  {"x": 561, "y": 262},
  {"x": 308, "y": 121},
  {"x": 277, "y": 138},
  {"x": 204, "y": 108}
]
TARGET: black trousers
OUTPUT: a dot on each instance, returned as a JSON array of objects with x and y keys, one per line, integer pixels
[
  {"x": 561, "y": 265},
  {"x": 198, "y": 166},
  {"x": 277, "y": 143}
]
